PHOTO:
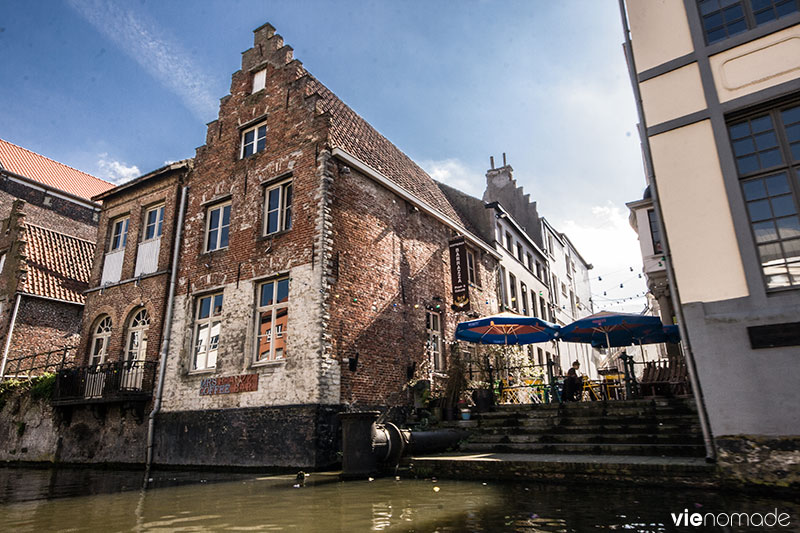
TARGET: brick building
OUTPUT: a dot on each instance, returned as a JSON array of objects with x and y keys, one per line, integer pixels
[
  {"x": 314, "y": 274},
  {"x": 46, "y": 248}
]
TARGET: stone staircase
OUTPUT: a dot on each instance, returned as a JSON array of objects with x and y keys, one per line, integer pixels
[
  {"x": 662, "y": 427},
  {"x": 654, "y": 442}
]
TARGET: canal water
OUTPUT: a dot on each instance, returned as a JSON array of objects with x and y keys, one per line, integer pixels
[{"x": 78, "y": 500}]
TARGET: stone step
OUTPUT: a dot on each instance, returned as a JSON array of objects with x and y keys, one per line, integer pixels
[
  {"x": 615, "y": 429},
  {"x": 582, "y": 438},
  {"x": 523, "y": 414},
  {"x": 662, "y": 450}
]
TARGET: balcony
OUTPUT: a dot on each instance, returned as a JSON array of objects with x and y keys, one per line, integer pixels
[{"x": 120, "y": 381}]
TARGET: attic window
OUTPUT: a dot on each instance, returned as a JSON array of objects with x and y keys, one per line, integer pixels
[{"x": 259, "y": 80}]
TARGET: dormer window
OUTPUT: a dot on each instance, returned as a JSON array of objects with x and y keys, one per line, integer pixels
[
  {"x": 259, "y": 80},
  {"x": 254, "y": 140}
]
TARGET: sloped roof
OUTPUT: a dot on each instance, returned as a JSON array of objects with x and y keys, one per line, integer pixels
[
  {"x": 354, "y": 135},
  {"x": 59, "y": 266},
  {"x": 50, "y": 173}
]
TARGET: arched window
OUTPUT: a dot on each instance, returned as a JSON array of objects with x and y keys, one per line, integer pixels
[
  {"x": 136, "y": 347},
  {"x": 100, "y": 340}
]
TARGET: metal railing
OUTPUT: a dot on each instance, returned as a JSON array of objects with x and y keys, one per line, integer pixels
[
  {"x": 35, "y": 365},
  {"x": 109, "y": 382}
]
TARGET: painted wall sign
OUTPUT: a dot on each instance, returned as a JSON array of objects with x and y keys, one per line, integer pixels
[
  {"x": 458, "y": 274},
  {"x": 229, "y": 385}
]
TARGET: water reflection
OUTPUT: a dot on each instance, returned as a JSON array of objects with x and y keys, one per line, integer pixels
[{"x": 92, "y": 500}]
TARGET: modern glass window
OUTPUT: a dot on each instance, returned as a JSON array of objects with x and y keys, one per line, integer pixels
[
  {"x": 207, "y": 325},
  {"x": 259, "y": 80},
  {"x": 433, "y": 329},
  {"x": 767, "y": 151},
  {"x": 153, "y": 222},
  {"x": 724, "y": 18},
  {"x": 655, "y": 234},
  {"x": 119, "y": 234},
  {"x": 523, "y": 292},
  {"x": 512, "y": 286},
  {"x": 254, "y": 140},
  {"x": 472, "y": 268},
  {"x": 272, "y": 314},
  {"x": 136, "y": 347},
  {"x": 278, "y": 208},
  {"x": 218, "y": 221},
  {"x": 100, "y": 336}
]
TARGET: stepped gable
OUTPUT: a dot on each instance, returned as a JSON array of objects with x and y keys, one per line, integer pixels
[
  {"x": 348, "y": 131},
  {"x": 57, "y": 175},
  {"x": 502, "y": 187},
  {"x": 58, "y": 265}
]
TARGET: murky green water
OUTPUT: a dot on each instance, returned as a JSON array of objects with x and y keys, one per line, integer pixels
[{"x": 94, "y": 500}]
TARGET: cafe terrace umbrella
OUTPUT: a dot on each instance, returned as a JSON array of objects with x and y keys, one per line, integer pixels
[
  {"x": 506, "y": 328},
  {"x": 666, "y": 334},
  {"x": 605, "y": 329}
]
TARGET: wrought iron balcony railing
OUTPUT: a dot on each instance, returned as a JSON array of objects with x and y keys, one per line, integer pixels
[{"x": 120, "y": 381}]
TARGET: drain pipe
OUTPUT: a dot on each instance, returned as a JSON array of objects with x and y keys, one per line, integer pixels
[
  {"x": 162, "y": 368},
  {"x": 8, "y": 336},
  {"x": 708, "y": 440}
]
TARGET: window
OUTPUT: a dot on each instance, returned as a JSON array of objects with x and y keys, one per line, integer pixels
[
  {"x": 433, "y": 328},
  {"x": 472, "y": 268},
  {"x": 724, "y": 18},
  {"x": 217, "y": 226},
  {"x": 767, "y": 152},
  {"x": 655, "y": 235},
  {"x": 543, "y": 307},
  {"x": 554, "y": 289},
  {"x": 254, "y": 140},
  {"x": 100, "y": 336},
  {"x": 137, "y": 336},
  {"x": 153, "y": 223},
  {"x": 512, "y": 285},
  {"x": 2, "y": 261},
  {"x": 119, "y": 234},
  {"x": 530, "y": 262},
  {"x": 550, "y": 244},
  {"x": 509, "y": 244},
  {"x": 564, "y": 289},
  {"x": 520, "y": 253},
  {"x": 540, "y": 356},
  {"x": 569, "y": 266},
  {"x": 208, "y": 312},
  {"x": 539, "y": 273},
  {"x": 502, "y": 285},
  {"x": 278, "y": 208},
  {"x": 533, "y": 304},
  {"x": 259, "y": 80},
  {"x": 523, "y": 292},
  {"x": 272, "y": 317}
]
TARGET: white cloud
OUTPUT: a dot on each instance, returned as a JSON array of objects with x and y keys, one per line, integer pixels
[
  {"x": 116, "y": 171},
  {"x": 607, "y": 240},
  {"x": 455, "y": 173},
  {"x": 147, "y": 44}
]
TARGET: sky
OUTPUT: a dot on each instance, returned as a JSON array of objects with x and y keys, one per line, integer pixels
[{"x": 119, "y": 88}]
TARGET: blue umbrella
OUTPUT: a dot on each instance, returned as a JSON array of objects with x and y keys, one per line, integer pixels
[
  {"x": 606, "y": 329},
  {"x": 506, "y": 328}
]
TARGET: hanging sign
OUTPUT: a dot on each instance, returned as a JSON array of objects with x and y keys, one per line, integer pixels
[{"x": 458, "y": 274}]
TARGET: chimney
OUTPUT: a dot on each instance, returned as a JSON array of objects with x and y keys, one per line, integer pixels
[{"x": 491, "y": 161}]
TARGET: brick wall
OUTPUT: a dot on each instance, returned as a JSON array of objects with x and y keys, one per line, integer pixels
[
  {"x": 44, "y": 326},
  {"x": 393, "y": 262}
]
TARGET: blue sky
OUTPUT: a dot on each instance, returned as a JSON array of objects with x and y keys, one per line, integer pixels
[{"x": 118, "y": 88}]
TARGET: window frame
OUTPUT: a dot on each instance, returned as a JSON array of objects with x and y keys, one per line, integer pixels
[
  {"x": 523, "y": 293},
  {"x": 748, "y": 17},
  {"x": 260, "y": 80},
  {"x": 157, "y": 225},
  {"x": 213, "y": 319},
  {"x": 221, "y": 207},
  {"x": 281, "y": 186},
  {"x": 789, "y": 167},
  {"x": 141, "y": 328},
  {"x": 124, "y": 222},
  {"x": 102, "y": 337},
  {"x": 512, "y": 287},
  {"x": 472, "y": 268},
  {"x": 434, "y": 342},
  {"x": 655, "y": 234},
  {"x": 509, "y": 243},
  {"x": 273, "y": 334},
  {"x": 256, "y": 138}
]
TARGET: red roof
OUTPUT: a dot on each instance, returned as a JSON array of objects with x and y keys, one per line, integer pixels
[
  {"x": 59, "y": 266},
  {"x": 48, "y": 172}
]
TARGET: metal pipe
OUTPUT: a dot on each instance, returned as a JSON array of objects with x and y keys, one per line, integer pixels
[
  {"x": 162, "y": 369},
  {"x": 10, "y": 333},
  {"x": 673, "y": 286}
]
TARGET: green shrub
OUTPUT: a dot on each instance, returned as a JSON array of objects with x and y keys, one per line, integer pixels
[{"x": 42, "y": 387}]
